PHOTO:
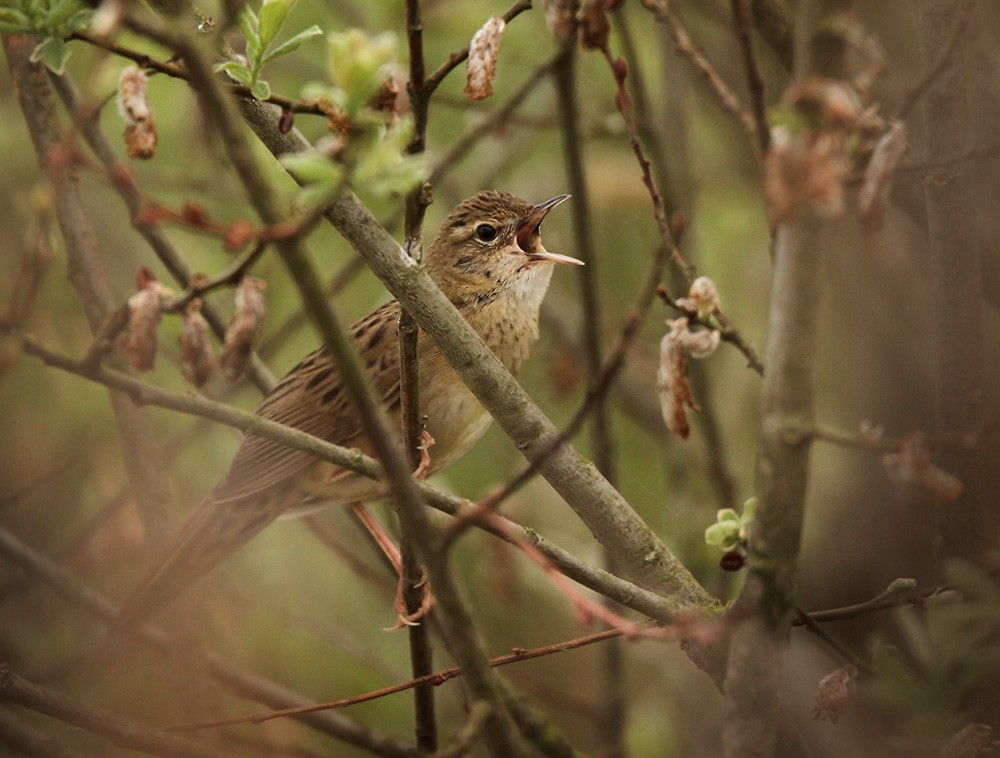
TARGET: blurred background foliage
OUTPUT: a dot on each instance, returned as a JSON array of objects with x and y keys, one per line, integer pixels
[{"x": 285, "y": 606}]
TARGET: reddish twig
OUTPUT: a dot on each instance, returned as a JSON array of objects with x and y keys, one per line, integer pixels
[
  {"x": 586, "y": 609},
  {"x": 689, "y": 50},
  {"x": 623, "y": 102},
  {"x": 437, "y": 678},
  {"x": 755, "y": 82}
]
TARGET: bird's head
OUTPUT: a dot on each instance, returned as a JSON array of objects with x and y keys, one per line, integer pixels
[{"x": 491, "y": 244}]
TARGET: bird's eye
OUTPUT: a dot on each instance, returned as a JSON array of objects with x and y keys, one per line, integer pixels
[{"x": 486, "y": 233}]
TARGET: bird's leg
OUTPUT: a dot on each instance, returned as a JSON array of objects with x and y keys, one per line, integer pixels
[
  {"x": 426, "y": 443},
  {"x": 391, "y": 551},
  {"x": 383, "y": 540}
]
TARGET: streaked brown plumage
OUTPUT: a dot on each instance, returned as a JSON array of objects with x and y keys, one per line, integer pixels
[{"x": 489, "y": 261}]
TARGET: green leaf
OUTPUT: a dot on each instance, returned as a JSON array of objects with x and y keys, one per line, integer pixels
[
  {"x": 272, "y": 16},
  {"x": 292, "y": 44},
  {"x": 237, "y": 70},
  {"x": 61, "y": 11},
  {"x": 727, "y": 514},
  {"x": 249, "y": 25},
  {"x": 53, "y": 53},
  {"x": 722, "y": 534},
  {"x": 260, "y": 89},
  {"x": 315, "y": 195},
  {"x": 312, "y": 167},
  {"x": 899, "y": 586},
  {"x": 81, "y": 20},
  {"x": 354, "y": 64},
  {"x": 12, "y": 21}
]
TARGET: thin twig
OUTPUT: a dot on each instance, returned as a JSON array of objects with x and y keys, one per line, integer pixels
[
  {"x": 797, "y": 433},
  {"x": 805, "y": 620},
  {"x": 434, "y": 679},
  {"x": 727, "y": 99},
  {"x": 624, "y": 104},
  {"x": 455, "y": 58},
  {"x": 755, "y": 82},
  {"x": 413, "y": 578},
  {"x": 881, "y": 602}
]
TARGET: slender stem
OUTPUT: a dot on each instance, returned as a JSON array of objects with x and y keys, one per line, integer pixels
[
  {"x": 755, "y": 82},
  {"x": 564, "y": 75},
  {"x": 413, "y": 577},
  {"x": 433, "y": 679},
  {"x": 686, "y": 47},
  {"x": 179, "y": 72},
  {"x": 809, "y": 623}
]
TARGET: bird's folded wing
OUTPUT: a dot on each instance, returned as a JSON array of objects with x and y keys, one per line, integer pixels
[{"x": 312, "y": 398}]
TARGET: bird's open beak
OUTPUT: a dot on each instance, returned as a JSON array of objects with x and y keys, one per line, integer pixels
[{"x": 529, "y": 237}]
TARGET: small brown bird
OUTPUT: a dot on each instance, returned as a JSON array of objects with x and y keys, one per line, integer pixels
[{"x": 488, "y": 259}]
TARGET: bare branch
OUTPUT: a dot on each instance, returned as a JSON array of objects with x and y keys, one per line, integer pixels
[{"x": 15, "y": 689}]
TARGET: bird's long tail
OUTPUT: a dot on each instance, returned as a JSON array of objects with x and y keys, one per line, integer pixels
[{"x": 212, "y": 532}]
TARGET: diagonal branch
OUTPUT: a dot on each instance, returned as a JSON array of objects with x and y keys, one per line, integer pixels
[{"x": 663, "y": 609}]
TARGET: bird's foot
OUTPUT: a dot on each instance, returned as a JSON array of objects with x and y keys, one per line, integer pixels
[
  {"x": 426, "y": 443},
  {"x": 404, "y": 618}
]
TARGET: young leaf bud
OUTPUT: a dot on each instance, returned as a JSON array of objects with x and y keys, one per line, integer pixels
[
  {"x": 144, "y": 318},
  {"x": 133, "y": 105},
  {"x": 481, "y": 66},
  {"x": 834, "y": 692},
  {"x": 594, "y": 26},
  {"x": 197, "y": 357},
  {"x": 702, "y": 343},
  {"x": 560, "y": 17},
  {"x": 244, "y": 329},
  {"x": 875, "y": 185},
  {"x": 672, "y": 380}
]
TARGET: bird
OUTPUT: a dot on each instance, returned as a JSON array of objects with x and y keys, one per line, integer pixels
[{"x": 488, "y": 259}]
